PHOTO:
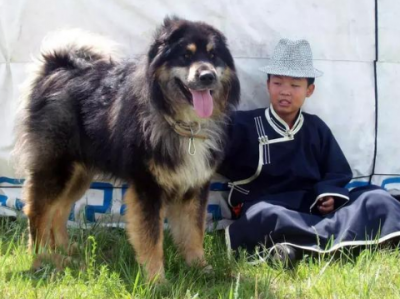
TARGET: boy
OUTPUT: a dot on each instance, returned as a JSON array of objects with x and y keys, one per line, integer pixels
[{"x": 288, "y": 174}]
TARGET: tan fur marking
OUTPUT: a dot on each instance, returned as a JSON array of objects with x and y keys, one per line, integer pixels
[
  {"x": 210, "y": 46},
  {"x": 192, "y": 48},
  {"x": 162, "y": 176},
  {"x": 193, "y": 172},
  {"x": 51, "y": 225},
  {"x": 113, "y": 116},
  {"x": 162, "y": 74},
  {"x": 74, "y": 190},
  {"x": 42, "y": 224},
  {"x": 185, "y": 229},
  {"x": 149, "y": 252},
  {"x": 225, "y": 74}
]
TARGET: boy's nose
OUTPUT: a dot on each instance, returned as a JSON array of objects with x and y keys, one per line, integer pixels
[{"x": 285, "y": 92}]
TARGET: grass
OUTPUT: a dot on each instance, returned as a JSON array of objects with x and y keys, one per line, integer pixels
[{"x": 105, "y": 268}]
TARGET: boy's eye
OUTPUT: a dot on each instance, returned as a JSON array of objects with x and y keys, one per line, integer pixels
[
  {"x": 277, "y": 83},
  {"x": 295, "y": 85}
]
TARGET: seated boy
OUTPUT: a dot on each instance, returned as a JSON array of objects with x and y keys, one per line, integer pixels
[{"x": 288, "y": 174}]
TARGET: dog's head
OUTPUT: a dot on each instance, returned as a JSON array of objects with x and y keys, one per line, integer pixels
[{"x": 192, "y": 71}]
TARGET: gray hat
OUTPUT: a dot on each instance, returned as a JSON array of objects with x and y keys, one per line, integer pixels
[{"x": 292, "y": 59}]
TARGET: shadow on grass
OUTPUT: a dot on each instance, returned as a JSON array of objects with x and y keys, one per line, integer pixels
[
  {"x": 352, "y": 254},
  {"x": 107, "y": 248},
  {"x": 105, "y": 253},
  {"x": 12, "y": 233}
]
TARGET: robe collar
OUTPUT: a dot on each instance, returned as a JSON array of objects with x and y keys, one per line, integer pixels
[{"x": 280, "y": 126}]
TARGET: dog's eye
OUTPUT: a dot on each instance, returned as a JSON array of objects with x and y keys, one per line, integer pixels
[
  {"x": 187, "y": 55},
  {"x": 212, "y": 55}
]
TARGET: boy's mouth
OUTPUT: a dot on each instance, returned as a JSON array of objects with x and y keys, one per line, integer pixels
[{"x": 284, "y": 103}]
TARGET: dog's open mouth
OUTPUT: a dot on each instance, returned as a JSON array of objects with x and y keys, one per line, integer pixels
[{"x": 201, "y": 100}]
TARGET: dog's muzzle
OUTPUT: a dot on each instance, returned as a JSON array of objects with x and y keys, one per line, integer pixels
[{"x": 207, "y": 78}]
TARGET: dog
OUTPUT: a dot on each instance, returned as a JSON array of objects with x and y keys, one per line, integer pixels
[{"x": 158, "y": 123}]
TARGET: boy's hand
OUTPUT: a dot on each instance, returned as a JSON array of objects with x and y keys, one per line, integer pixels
[{"x": 326, "y": 204}]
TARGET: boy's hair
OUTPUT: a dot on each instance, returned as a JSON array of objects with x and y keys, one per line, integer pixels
[{"x": 309, "y": 80}]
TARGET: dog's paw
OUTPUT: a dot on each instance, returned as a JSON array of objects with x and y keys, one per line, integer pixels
[
  {"x": 59, "y": 261},
  {"x": 207, "y": 270}
]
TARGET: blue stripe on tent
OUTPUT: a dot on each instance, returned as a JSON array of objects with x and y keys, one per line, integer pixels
[
  {"x": 11, "y": 181},
  {"x": 3, "y": 200},
  {"x": 107, "y": 188},
  {"x": 217, "y": 186},
  {"x": 90, "y": 210},
  {"x": 19, "y": 204},
  {"x": 215, "y": 211},
  {"x": 122, "y": 210},
  {"x": 355, "y": 184},
  {"x": 71, "y": 216},
  {"x": 390, "y": 181}
]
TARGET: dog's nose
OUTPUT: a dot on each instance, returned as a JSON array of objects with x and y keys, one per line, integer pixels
[{"x": 207, "y": 77}]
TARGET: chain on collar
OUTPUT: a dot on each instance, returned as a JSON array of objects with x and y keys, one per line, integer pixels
[{"x": 189, "y": 130}]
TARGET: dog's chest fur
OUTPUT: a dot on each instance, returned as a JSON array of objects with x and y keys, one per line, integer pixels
[{"x": 192, "y": 171}]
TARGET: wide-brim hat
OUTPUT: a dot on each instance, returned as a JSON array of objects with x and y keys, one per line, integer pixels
[{"x": 292, "y": 59}]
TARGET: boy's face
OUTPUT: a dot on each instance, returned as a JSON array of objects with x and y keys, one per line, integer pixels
[{"x": 288, "y": 95}]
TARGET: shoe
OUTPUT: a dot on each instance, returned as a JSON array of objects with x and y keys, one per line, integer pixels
[{"x": 285, "y": 255}]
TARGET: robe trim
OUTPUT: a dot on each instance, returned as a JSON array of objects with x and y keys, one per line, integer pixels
[
  {"x": 263, "y": 139},
  {"x": 263, "y": 259},
  {"x": 343, "y": 244},
  {"x": 281, "y": 123},
  {"x": 280, "y": 126},
  {"x": 228, "y": 242},
  {"x": 263, "y": 147},
  {"x": 234, "y": 185},
  {"x": 328, "y": 194}
]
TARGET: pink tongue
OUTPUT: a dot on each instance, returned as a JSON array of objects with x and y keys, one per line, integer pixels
[{"x": 203, "y": 103}]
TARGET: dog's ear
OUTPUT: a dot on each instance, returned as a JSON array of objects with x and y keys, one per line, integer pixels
[
  {"x": 171, "y": 31},
  {"x": 169, "y": 21},
  {"x": 153, "y": 50},
  {"x": 174, "y": 27}
]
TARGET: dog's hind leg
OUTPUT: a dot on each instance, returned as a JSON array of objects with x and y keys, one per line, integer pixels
[
  {"x": 144, "y": 224},
  {"x": 47, "y": 205},
  {"x": 41, "y": 191},
  {"x": 75, "y": 189},
  {"x": 187, "y": 222},
  {"x": 39, "y": 212}
]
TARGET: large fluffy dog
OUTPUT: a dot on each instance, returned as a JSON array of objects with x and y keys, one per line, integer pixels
[{"x": 158, "y": 124}]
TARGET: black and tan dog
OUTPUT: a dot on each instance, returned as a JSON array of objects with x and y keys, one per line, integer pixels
[{"x": 158, "y": 124}]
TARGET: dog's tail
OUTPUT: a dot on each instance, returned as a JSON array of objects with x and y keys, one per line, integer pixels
[
  {"x": 76, "y": 48},
  {"x": 62, "y": 50}
]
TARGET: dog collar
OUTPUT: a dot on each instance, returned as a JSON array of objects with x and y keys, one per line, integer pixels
[
  {"x": 184, "y": 129},
  {"x": 189, "y": 130}
]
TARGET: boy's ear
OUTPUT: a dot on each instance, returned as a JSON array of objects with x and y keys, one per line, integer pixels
[{"x": 310, "y": 90}]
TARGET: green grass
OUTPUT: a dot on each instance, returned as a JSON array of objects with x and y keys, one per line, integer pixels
[{"x": 105, "y": 268}]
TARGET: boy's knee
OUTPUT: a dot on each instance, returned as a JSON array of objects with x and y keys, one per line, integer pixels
[{"x": 379, "y": 199}]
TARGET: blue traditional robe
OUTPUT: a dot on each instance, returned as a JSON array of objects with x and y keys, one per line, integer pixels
[{"x": 277, "y": 175}]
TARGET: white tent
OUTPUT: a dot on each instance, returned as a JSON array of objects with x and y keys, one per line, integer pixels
[{"x": 355, "y": 43}]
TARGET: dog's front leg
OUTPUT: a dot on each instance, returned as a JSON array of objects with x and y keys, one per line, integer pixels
[
  {"x": 144, "y": 218},
  {"x": 187, "y": 221}
]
